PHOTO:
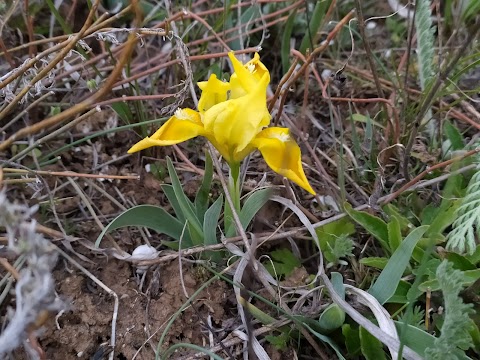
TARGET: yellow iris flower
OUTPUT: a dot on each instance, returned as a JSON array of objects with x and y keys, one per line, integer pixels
[{"x": 234, "y": 117}]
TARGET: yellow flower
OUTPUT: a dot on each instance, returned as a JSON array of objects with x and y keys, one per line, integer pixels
[{"x": 234, "y": 117}]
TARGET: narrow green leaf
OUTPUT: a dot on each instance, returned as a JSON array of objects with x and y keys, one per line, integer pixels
[
  {"x": 455, "y": 137},
  {"x": 470, "y": 11},
  {"x": 283, "y": 262},
  {"x": 149, "y": 216},
  {"x": 394, "y": 233},
  {"x": 287, "y": 35},
  {"x": 123, "y": 111},
  {"x": 372, "y": 348},
  {"x": 65, "y": 27},
  {"x": 388, "y": 280},
  {"x": 374, "y": 225},
  {"x": 184, "y": 203},
  {"x": 210, "y": 224},
  {"x": 400, "y": 296},
  {"x": 258, "y": 314},
  {"x": 172, "y": 200},
  {"x": 391, "y": 210},
  {"x": 201, "y": 200},
  {"x": 445, "y": 217},
  {"x": 316, "y": 20},
  {"x": 352, "y": 339},
  {"x": 375, "y": 262},
  {"x": 196, "y": 236},
  {"x": 337, "y": 282},
  {"x": 328, "y": 341},
  {"x": 415, "y": 338},
  {"x": 250, "y": 208}
]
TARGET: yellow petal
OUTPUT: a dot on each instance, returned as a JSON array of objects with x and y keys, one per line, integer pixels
[
  {"x": 214, "y": 91},
  {"x": 282, "y": 154},
  {"x": 246, "y": 76},
  {"x": 256, "y": 67},
  {"x": 234, "y": 123},
  {"x": 184, "y": 125}
]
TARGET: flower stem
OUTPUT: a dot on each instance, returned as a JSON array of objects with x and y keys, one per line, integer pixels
[
  {"x": 234, "y": 188},
  {"x": 234, "y": 184}
]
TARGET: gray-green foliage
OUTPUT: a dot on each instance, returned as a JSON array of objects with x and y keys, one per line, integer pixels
[
  {"x": 455, "y": 336},
  {"x": 425, "y": 41},
  {"x": 341, "y": 248},
  {"x": 462, "y": 238},
  {"x": 414, "y": 316}
]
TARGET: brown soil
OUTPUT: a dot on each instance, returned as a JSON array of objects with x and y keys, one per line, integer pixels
[{"x": 83, "y": 331}]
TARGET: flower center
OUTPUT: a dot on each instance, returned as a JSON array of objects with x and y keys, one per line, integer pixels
[
  {"x": 282, "y": 137},
  {"x": 251, "y": 68},
  {"x": 181, "y": 114}
]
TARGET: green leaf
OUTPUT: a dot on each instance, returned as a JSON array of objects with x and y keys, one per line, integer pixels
[
  {"x": 455, "y": 137},
  {"x": 342, "y": 247},
  {"x": 375, "y": 262},
  {"x": 331, "y": 318},
  {"x": 475, "y": 334},
  {"x": 372, "y": 348},
  {"x": 287, "y": 35},
  {"x": 317, "y": 16},
  {"x": 337, "y": 282},
  {"x": 415, "y": 338},
  {"x": 328, "y": 341},
  {"x": 149, "y": 216},
  {"x": 250, "y": 208},
  {"x": 283, "y": 262},
  {"x": 352, "y": 339},
  {"x": 329, "y": 234},
  {"x": 471, "y": 11},
  {"x": 394, "y": 233},
  {"x": 185, "y": 204},
  {"x": 333, "y": 230},
  {"x": 374, "y": 225},
  {"x": 201, "y": 200},
  {"x": 280, "y": 341},
  {"x": 455, "y": 187},
  {"x": 258, "y": 314},
  {"x": 444, "y": 217},
  {"x": 210, "y": 224},
  {"x": 123, "y": 111},
  {"x": 468, "y": 278},
  {"x": 65, "y": 27},
  {"x": 400, "y": 296},
  {"x": 172, "y": 200},
  {"x": 460, "y": 262},
  {"x": 389, "y": 278},
  {"x": 391, "y": 210},
  {"x": 248, "y": 18},
  {"x": 475, "y": 257}
]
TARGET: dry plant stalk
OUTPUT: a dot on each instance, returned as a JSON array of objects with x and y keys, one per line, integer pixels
[{"x": 35, "y": 289}]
